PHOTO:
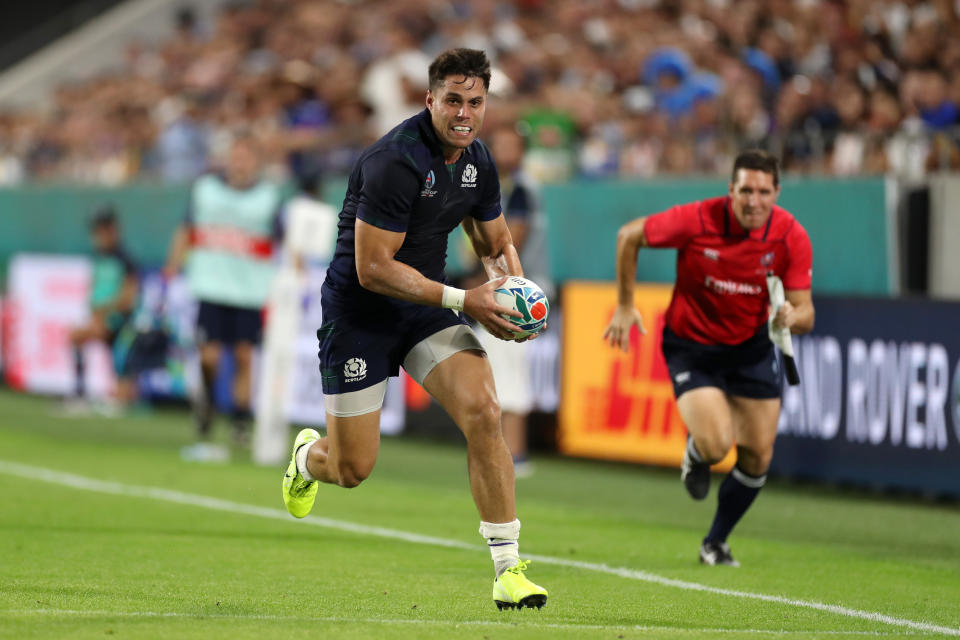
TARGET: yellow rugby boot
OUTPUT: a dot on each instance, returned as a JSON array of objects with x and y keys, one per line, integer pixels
[
  {"x": 512, "y": 589},
  {"x": 298, "y": 494}
]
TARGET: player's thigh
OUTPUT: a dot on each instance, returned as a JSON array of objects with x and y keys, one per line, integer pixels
[
  {"x": 355, "y": 363},
  {"x": 463, "y": 385},
  {"x": 247, "y": 326},
  {"x": 706, "y": 413},
  {"x": 95, "y": 329},
  {"x": 755, "y": 426},
  {"x": 210, "y": 322},
  {"x": 452, "y": 366}
]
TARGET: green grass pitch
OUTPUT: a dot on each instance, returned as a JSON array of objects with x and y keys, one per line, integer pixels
[{"x": 87, "y": 552}]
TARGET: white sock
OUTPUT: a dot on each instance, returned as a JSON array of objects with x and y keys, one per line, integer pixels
[
  {"x": 302, "y": 461},
  {"x": 502, "y": 540},
  {"x": 692, "y": 450}
]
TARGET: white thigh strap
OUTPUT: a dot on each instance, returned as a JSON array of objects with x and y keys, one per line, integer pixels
[
  {"x": 436, "y": 348},
  {"x": 356, "y": 403}
]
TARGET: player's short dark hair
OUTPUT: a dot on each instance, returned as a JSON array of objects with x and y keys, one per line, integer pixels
[
  {"x": 105, "y": 216},
  {"x": 757, "y": 160},
  {"x": 472, "y": 63}
]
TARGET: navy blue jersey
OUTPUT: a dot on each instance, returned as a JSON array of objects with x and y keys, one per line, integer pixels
[{"x": 402, "y": 183}]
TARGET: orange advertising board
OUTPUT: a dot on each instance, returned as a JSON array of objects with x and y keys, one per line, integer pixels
[{"x": 618, "y": 405}]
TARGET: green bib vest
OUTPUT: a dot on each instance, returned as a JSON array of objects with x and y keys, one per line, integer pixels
[{"x": 231, "y": 242}]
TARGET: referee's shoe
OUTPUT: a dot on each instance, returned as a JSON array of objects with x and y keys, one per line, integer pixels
[
  {"x": 695, "y": 475},
  {"x": 713, "y": 553}
]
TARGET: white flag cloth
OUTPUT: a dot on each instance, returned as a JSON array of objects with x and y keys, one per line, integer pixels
[{"x": 780, "y": 337}]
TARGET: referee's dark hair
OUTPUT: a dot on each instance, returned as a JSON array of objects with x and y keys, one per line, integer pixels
[
  {"x": 472, "y": 63},
  {"x": 757, "y": 160}
]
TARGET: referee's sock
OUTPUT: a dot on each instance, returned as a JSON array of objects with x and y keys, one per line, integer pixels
[
  {"x": 736, "y": 494},
  {"x": 79, "y": 379}
]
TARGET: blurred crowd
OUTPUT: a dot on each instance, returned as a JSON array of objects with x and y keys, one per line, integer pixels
[{"x": 626, "y": 88}]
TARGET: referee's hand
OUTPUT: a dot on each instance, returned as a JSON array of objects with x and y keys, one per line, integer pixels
[{"x": 618, "y": 331}]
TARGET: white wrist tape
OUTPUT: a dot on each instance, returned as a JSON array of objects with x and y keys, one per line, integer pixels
[{"x": 453, "y": 298}]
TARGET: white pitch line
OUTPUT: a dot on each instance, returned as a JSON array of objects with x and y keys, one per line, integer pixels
[
  {"x": 434, "y": 622},
  {"x": 101, "y": 486}
]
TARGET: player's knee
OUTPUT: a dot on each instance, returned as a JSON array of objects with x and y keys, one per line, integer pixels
[
  {"x": 754, "y": 460},
  {"x": 482, "y": 417},
  {"x": 351, "y": 474},
  {"x": 714, "y": 448}
]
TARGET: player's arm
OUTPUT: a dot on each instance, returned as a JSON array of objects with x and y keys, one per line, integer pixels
[
  {"x": 179, "y": 247},
  {"x": 379, "y": 271},
  {"x": 797, "y": 312},
  {"x": 128, "y": 294},
  {"x": 179, "y": 244},
  {"x": 630, "y": 238},
  {"x": 492, "y": 241}
]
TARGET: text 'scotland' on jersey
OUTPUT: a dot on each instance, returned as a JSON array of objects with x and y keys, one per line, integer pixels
[
  {"x": 402, "y": 183},
  {"x": 720, "y": 296}
]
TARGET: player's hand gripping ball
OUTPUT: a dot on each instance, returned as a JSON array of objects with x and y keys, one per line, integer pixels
[{"x": 528, "y": 299}]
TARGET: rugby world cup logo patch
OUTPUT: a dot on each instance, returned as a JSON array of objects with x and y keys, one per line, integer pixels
[
  {"x": 354, "y": 370},
  {"x": 428, "y": 191}
]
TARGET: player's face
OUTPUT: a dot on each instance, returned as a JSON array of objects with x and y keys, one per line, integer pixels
[
  {"x": 105, "y": 237},
  {"x": 752, "y": 197},
  {"x": 457, "y": 109},
  {"x": 243, "y": 164}
]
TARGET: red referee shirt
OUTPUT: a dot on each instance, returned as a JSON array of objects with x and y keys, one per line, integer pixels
[{"x": 720, "y": 296}]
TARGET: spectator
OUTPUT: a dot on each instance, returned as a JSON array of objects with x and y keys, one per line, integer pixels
[{"x": 565, "y": 64}]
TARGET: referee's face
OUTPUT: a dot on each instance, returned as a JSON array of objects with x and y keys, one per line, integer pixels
[
  {"x": 752, "y": 196},
  {"x": 457, "y": 108}
]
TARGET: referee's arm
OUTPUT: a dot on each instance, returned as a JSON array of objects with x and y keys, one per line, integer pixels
[
  {"x": 796, "y": 313},
  {"x": 630, "y": 238}
]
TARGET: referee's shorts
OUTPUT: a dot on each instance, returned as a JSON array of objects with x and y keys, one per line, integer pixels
[{"x": 749, "y": 369}]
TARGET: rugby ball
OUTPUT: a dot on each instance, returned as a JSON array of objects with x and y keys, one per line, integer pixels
[{"x": 528, "y": 299}]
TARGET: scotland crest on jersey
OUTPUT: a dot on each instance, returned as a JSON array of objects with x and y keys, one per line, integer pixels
[{"x": 469, "y": 176}]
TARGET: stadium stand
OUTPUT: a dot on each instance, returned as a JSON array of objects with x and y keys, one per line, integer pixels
[{"x": 838, "y": 88}]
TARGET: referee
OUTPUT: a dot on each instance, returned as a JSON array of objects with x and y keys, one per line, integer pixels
[{"x": 721, "y": 361}]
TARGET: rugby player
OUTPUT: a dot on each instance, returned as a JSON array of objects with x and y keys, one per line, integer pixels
[
  {"x": 715, "y": 340},
  {"x": 386, "y": 305}
]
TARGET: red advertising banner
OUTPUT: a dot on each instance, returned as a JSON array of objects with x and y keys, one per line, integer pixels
[{"x": 618, "y": 405}]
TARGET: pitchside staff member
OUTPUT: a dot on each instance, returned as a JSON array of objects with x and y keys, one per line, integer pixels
[
  {"x": 715, "y": 342},
  {"x": 229, "y": 231},
  {"x": 386, "y": 305},
  {"x": 114, "y": 287}
]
